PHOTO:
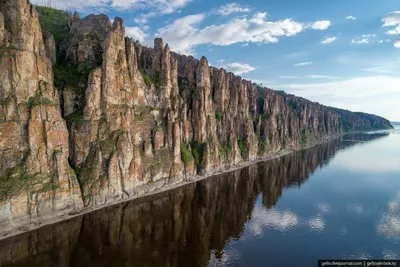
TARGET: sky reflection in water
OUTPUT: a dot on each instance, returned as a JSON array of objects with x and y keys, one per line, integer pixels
[{"x": 348, "y": 209}]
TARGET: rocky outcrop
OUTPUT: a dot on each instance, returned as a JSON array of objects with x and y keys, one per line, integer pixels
[
  {"x": 120, "y": 120},
  {"x": 50, "y": 46},
  {"x": 86, "y": 45},
  {"x": 36, "y": 181}
]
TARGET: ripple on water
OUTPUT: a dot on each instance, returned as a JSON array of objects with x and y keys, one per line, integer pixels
[
  {"x": 317, "y": 224},
  {"x": 390, "y": 255},
  {"x": 389, "y": 224}
]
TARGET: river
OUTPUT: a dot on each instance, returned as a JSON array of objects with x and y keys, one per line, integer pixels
[{"x": 337, "y": 200}]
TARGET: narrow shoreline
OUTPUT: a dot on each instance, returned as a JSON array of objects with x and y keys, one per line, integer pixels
[{"x": 31, "y": 226}]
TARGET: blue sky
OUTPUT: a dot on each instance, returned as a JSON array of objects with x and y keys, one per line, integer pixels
[{"x": 343, "y": 53}]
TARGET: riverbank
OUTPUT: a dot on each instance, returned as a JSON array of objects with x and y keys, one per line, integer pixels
[{"x": 157, "y": 188}]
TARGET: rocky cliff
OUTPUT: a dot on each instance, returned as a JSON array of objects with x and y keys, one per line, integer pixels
[{"x": 89, "y": 117}]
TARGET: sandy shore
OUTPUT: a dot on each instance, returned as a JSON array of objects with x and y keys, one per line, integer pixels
[{"x": 193, "y": 179}]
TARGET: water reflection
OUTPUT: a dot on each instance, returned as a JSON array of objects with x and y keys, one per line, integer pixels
[
  {"x": 188, "y": 226},
  {"x": 389, "y": 223},
  {"x": 317, "y": 224}
]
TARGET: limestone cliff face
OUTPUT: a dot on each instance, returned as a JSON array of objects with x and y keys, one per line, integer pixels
[
  {"x": 36, "y": 180},
  {"x": 126, "y": 119}
]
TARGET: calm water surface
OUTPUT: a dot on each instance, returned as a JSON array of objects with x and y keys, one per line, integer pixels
[{"x": 337, "y": 200}]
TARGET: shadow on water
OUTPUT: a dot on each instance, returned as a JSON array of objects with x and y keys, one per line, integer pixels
[{"x": 176, "y": 228}]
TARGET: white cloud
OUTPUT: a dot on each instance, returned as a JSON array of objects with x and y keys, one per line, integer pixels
[
  {"x": 144, "y": 18},
  {"x": 75, "y": 4},
  {"x": 392, "y": 19},
  {"x": 158, "y": 6},
  {"x": 396, "y": 44},
  {"x": 378, "y": 69},
  {"x": 184, "y": 33},
  {"x": 351, "y": 18},
  {"x": 321, "y": 25},
  {"x": 329, "y": 40},
  {"x": 136, "y": 33},
  {"x": 154, "y": 7},
  {"x": 361, "y": 41},
  {"x": 311, "y": 76},
  {"x": 324, "y": 208},
  {"x": 231, "y": 8},
  {"x": 239, "y": 68},
  {"x": 355, "y": 208},
  {"x": 317, "y": 76},
  {"x": 244, "y": 45},
  {"x": 389, "y": 224},
  {"x": 302, "y": 64},
  {"x": 344, "y": 231},
  {"x": 390, "y": 255},
  {"x": 289, "y": 77},
  {"x": 316, "y": 224},
  {"x": 359, "y": 86},
  {"x": 275, "y": 219},
  {"x": 358, "y": 94},
  {"x": 392, "y": 32},
  {"x": 367, "y": 39}
]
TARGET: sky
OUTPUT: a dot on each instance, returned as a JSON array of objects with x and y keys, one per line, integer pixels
[{"x": 342, "y": 53}]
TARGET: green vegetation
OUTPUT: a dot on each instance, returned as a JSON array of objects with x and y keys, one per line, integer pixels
[
  {"x": 197, "y": 151},
  {"x": 71, "y": 172},
  {"x": 304, "y": 137},
  {"x": 5, "y": 101},
  {"x": 219, "y": 116},
  {"x": 157, "y": 129},
  {"x": 243, "y": 149},
  {"x": 50, "y": 186},
  {"x": 108, "y": 146},
  {"x": 66, "y": 73},
  {"x": 155, "y": 80},
  {"x": 75, "y": 118},
  {"x": 186, "y": 155},
  {"x": 196, "y": 94},
  {"x": 14, "y": 181},
  {"x": 346, "y": 124},
  {"x": 121, "y": 106},
  {"x": 153, "y": 108},
  {"x": 147, "y": 79},
  {"x": 182, "y": 81},
  {"x": 7, "y": 50},
  {"x": 38, "y": 100},
  {"x": 262, "y": 147},
  {"x": 139, "y": 117},
  {"x": 85, "y": 175},
  {"x": 225, "y": 150},
  {"x": 66, "y": 76},
  {"x": 293, "y": 104},
  {"x": 54, "y": 21}
]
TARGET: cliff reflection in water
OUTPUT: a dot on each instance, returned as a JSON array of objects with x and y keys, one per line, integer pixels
[{"x": 181, "y": 227}]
